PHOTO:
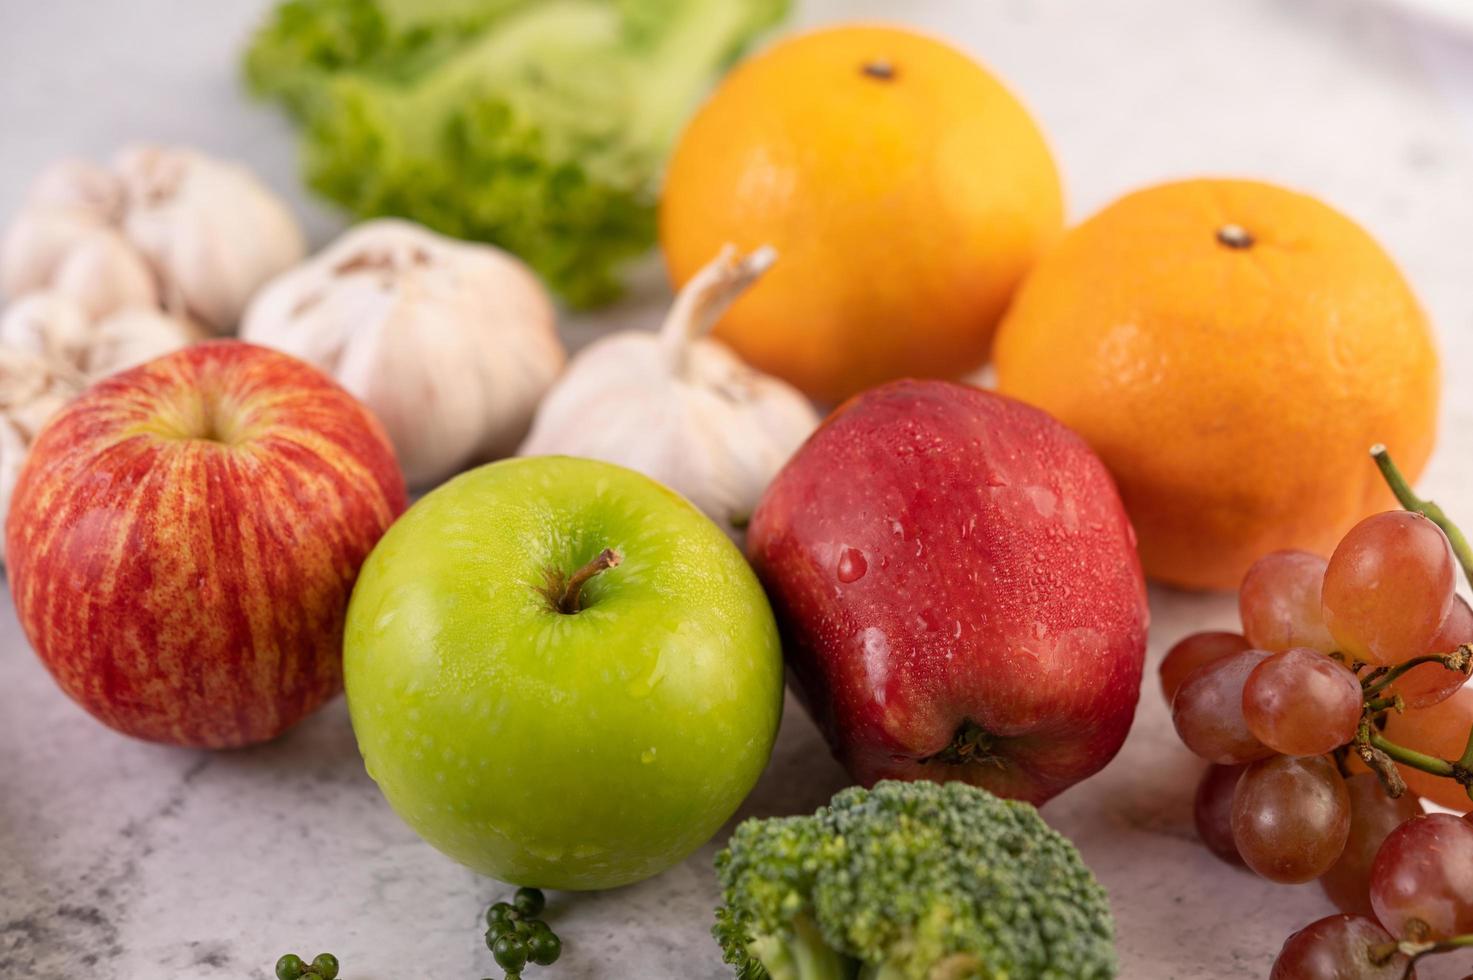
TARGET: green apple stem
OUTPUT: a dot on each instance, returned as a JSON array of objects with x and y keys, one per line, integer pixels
[
  {"x": 568, "y": 599},
  {"x": 1409, "y": 500}
]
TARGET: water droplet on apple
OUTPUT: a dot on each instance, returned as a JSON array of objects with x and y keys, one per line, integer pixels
[
  {"x": 852, "y": 565},
  {"x": 641, "y": 687}
]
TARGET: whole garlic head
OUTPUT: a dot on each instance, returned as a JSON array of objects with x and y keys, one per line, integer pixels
[
  {"x": 679, "y": 406},
  {"x": 213, "y": 231},
  {"x": 168, "y": 228},
  {"x": 57, "y": 327},
  {"x": 32, "y": 389},
  {"x": 449, "y": 343}
]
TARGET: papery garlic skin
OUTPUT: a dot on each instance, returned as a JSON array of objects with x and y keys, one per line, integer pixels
[
  {"x": 134, "y": 336},
  {"x": 79, "y": 185},
  {"x": 680, "y": 407},
  {"x": 32, "y": 389},
  {"x": 56, "y": 326},
  {"x": 105, "y": 274},
  {"x": 37, "y": 241},
  {"x": 169, "y": 228},
  {"x": 451, "y": 344},
  {"x": 210, "y": 228}
]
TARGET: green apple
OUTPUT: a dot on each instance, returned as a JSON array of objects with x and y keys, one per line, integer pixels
[{"x": 561, "y": 673}]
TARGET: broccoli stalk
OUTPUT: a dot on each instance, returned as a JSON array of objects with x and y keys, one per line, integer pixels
[
  {"x": 541, "y": 127},
  {"x": 911, "y": 881}
]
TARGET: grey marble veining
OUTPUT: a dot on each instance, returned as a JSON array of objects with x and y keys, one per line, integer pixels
[{"x": 131, "y": 861}]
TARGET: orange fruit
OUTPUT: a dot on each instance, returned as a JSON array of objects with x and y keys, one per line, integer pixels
[
  {"x": 906, "y": 191},
  {"x": 1232, "y": 350}
]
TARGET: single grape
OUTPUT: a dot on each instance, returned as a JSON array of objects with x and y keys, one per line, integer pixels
[
  {"x": 529, "y": 902},
  {"x": 326, "y": 966},
  {"x": 1388, "y": 587},
  {"x": 544, "y": 948},
  {"x": 510, "y": 953},
  {"x": 290, "y": 967},
  {"x": 500, "y": 917},
  {"x": 1373, "y": 815},
  {"x": 1291, "y": 817},
  {"x": 1424, "y": 871},
  {"x": 1338, "y": 947},
  {"x": 1279, "y": 602},
  {"x": 1212, "y": 811},
  {"x": 1191, "y": 652},
  {"x": 1440, "y": 731},
  {"x": 1300, "y": 702},
  {"x": 1429, "y": 684},
  {"x": 1208, "y": 711}
]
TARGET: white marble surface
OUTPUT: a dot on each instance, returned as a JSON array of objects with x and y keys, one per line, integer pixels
[{"x": 125, "y": 860}]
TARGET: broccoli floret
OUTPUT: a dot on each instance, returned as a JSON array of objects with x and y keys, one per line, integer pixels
[
  {"x": 911, "y": 881},
  {"x": 538, "y": 126}
]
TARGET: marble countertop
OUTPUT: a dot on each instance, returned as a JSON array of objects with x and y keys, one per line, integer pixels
[{"x": 125, "y": 860}]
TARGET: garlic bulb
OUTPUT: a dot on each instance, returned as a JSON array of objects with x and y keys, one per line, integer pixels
[
  {"x": 679, "y": 406},
  {"x": 105, "y": 274},
  {"x": 38, "y": 241},
  {"x": 79, "y": 185},
  {"x": 57, "y": 327},
  {"x": 167, "y": 228},
  {"x": 449, "y": 343},
  {"x": 213, "y": 231},
  {"x": 32, "y": 389}
]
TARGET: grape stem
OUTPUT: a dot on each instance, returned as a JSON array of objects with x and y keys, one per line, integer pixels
[
  {"x": 1426, "y": 508},
  {"x": 1462, "y": 770},
  {"x": 1414, "y": 951},
  {"x": 1460, "y": 660},
  {"x": 1413, "y": 758}
]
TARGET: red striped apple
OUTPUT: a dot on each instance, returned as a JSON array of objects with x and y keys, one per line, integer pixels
[
  {"x": 958, "y": 590},
  {"x": 184, "y": 536}
]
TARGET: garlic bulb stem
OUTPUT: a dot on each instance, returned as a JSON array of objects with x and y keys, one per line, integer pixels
[{"x": 708, "y": 294}]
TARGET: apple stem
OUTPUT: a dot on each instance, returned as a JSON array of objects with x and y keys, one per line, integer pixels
[{"x": 568, "y": 596}]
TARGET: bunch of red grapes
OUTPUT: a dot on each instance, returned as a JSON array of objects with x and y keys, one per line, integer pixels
[{"x": 1345, "y": 686}]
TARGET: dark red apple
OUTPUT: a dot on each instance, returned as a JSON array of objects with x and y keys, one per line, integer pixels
[
  {"x": 183, "y": 538},
  {"x": 958, "y": 590}
]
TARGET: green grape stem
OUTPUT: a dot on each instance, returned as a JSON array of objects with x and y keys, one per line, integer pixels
[
  {"x": 1410, "y": 501},
  {"x": 1369, "y": 741},
  {"x": 1415, "y": 759},
  {"x": 1382, "y": 953},
  {"x": 1460, "y": 660}
]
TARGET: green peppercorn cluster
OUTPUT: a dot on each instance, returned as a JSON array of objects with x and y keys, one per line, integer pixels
[
  {"x": 517, "y": 937},
  {"x": 291, "y": 967}
]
